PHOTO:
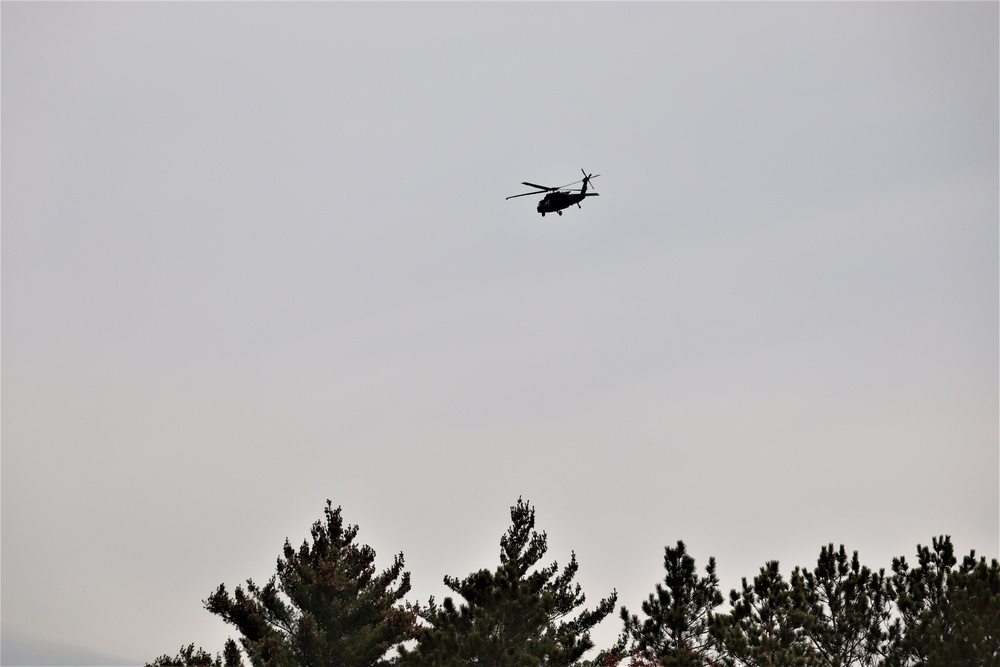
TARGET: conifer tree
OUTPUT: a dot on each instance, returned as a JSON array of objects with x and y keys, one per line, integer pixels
[
  {"x": 846, "y": 609},
  {"x": 519, "y": 615},
  {"x": 326, "y": 606},
  {"x": 764, "y": 628},
  {"x": 188, "y": 657},
  {"x": 675, "y": 632},
  {"x": 975, "y": 602},
  {"x": 947, "y": 615}
]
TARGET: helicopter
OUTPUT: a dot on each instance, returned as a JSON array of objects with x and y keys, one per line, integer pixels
[{"x": 556, "y": 199}]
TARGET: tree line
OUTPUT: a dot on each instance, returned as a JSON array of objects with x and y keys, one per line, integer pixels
[{"x": 328, "y": 605}]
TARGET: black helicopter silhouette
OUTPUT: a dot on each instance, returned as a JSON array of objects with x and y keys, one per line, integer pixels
[{"x": 557, "y": 199}]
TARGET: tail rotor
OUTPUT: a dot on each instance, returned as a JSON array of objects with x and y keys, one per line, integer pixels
[{"x": 586, "y": 181}]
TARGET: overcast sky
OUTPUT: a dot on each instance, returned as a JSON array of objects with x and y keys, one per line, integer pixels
[{"x": 258, "y": 256}]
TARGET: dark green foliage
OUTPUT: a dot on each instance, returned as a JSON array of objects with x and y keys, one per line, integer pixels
[
  {"x": 764, "y": 628},
  {"x": 518, "y": 615},
  {"x": 846, "y": 609},
  {"x": 188, "y": 657},
  {"x": 947, "y": 615},
  {"x": 327, "y": 605},
  {"x": 975, "y": 602},
  {"x": 675, "y": 630}
]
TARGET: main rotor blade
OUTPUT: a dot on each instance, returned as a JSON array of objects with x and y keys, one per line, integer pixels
[
  {"x": 588, "y": 179},
  {"x": 525, "y": 194},
  {"x": 591, "y": 177},
  {"x": 542, "y": 189}
]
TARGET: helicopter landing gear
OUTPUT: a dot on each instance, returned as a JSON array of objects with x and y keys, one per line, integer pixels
[
  {"x": 559, "y": 212},
  {"x": 543, "y": 214}
]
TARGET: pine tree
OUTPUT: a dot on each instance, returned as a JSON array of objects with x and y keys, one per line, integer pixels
[
  {"x": 519, "y": 615},
  {"x": 947, "y": 615},
  {"x": 764, "y": 628},
  {"x": 188, "y": 657},
  {"x": 326, "y": 606},
  {"x": 975, "y": 602},
  {"x": 846, "y": 609},
  {"x": 675, "y": 630}
]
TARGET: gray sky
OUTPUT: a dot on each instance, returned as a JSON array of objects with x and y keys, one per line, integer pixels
[{"x": 258, "y": 255}]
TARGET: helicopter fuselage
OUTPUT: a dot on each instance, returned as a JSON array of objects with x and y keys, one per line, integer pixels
[{"x": 557, "y": 200}]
